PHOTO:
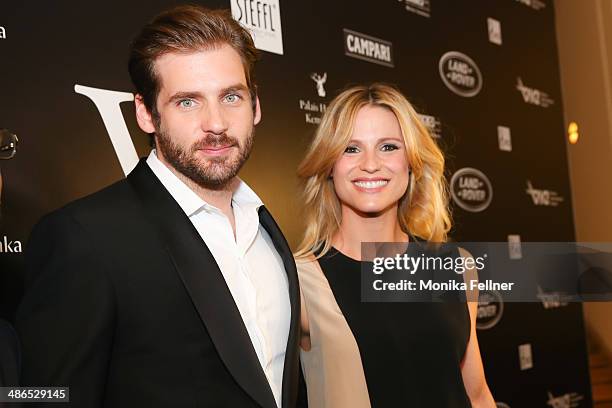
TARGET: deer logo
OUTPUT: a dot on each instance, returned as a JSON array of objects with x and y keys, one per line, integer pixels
[{"x": 320, "y": 80}]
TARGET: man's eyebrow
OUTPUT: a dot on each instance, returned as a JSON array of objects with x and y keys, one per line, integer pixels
[
  {"x": 184, "y": 95},
  {"x": 198, "y": 95},
  {"x": 234, "y": 88}
]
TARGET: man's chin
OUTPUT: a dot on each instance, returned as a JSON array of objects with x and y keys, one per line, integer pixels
[{"x": 214, "y": 179}]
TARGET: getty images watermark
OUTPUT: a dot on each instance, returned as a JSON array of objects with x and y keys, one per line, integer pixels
[
  {"x": 427, "y": 264},
  {"x": 460, "y": 271}
]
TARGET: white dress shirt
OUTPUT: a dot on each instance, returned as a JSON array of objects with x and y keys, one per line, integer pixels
[{"x": 251, "y": 266}]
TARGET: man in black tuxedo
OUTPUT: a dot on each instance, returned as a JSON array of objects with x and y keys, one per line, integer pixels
[{"x": 173, "y": 287}]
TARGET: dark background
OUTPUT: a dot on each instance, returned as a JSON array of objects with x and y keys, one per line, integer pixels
[{"x": 65, "y": 151}]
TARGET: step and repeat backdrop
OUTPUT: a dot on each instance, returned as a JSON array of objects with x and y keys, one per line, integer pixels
[{"x": 483, "y": 74}]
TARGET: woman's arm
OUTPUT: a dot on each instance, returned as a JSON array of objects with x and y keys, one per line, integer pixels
[
  {"x": 472, "y": 369},
  {"x": 305, "y": 335},
  {"x": 471, "y": 366}
]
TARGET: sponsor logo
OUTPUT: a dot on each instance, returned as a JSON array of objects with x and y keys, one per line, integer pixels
[
  {"x": 551, "y": 300},
  {"x": 107, "y": 102},
  {"x": 525, "y": 356},
  {"x": 490, "y": 309},
  {"x": 569, "y": 400},
  {"x": 320, "y": 81},
  {"x": 313, "y": 109},
  {"x": 433, "y": 125},
  {"x": 514, "y": 247},
  {"x": 262, "y": 19},
  {"x": 460, "y": 74},
  {"x": 8, "y": 246},
  {"x": 495, "y": 35},
  {"x": 368, "y": 48},
  {"x": 2, "y": 33},
  {"x": 471, "y": 189},
  {"x": 534, "y": 4},
  {"x": 504, "y": 138},
  {"x": 533, "y": 96},
  {"x": 547, "y": 198},
  {"x": 420, "y": 7}
]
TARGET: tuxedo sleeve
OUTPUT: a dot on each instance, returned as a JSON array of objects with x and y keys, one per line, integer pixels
[{"x": 66, "y": 319}]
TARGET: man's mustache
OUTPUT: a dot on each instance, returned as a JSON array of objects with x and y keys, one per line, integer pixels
[{"x": 212, "y": 140}]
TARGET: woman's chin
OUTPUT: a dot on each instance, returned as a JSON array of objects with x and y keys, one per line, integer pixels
[{"x": 371, "y": 210}]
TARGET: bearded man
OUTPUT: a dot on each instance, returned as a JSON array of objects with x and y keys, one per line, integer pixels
[{"x": 173, "y": 287}]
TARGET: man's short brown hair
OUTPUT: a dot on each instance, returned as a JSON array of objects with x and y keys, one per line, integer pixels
[{"x": 187, "y": 28}]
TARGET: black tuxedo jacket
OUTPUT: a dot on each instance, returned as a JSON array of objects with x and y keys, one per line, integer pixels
[
  {"x": 126, "y": 305},
  {"x": 9, "y": 355}
]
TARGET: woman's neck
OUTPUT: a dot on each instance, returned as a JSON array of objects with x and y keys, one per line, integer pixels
[{"x": 357, "y": 227}]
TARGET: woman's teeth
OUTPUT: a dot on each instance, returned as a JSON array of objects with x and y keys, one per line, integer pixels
[{"x": 371, "y": 184}]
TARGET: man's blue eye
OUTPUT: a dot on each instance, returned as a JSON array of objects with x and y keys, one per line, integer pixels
[
  {"x": 231, "y": 98},
  {"x": 186, "y": 103}
]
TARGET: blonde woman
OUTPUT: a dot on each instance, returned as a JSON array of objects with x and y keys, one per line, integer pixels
[{"x": 374, "y": 174}]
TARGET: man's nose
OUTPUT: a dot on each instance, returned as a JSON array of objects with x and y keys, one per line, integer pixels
[{"x": 214, "y": 120}]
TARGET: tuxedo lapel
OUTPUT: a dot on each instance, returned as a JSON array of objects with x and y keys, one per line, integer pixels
[
  {"x": 291, "y": 367},
  {"x": 205, "y": 284}
]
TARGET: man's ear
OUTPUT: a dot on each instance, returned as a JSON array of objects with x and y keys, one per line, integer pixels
[
  {"x": 143, "y": 116},
  {"x": 257, "y": 116}
]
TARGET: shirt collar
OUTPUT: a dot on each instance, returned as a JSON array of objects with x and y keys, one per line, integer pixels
[
  {"x": 245, "y": 197},
  {"x": 187, "y": 199}
]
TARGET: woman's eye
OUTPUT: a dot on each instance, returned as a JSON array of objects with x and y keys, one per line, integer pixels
[
  {"x": 388, "y": 147},
  {"x": 186, "y": 103},
  {"x": 351, "y": 149}
]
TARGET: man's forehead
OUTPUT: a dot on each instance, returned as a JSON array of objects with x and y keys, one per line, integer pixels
[{"x": 206, "y": 70}]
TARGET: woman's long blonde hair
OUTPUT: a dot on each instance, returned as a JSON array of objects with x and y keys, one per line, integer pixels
[{"x": 422, "y": 210}]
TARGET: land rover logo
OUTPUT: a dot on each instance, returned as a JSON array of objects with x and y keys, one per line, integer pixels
[
  {"x": 490, "y": 309},
  {"x": 471, "y": 189},
  {"x": 460, "y": 74}
]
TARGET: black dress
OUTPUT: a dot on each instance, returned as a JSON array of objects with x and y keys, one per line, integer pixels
[{"x": 411, "y": 352}]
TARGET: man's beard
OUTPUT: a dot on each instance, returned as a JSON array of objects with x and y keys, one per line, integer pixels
[{"x": 213, "y": 173}]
